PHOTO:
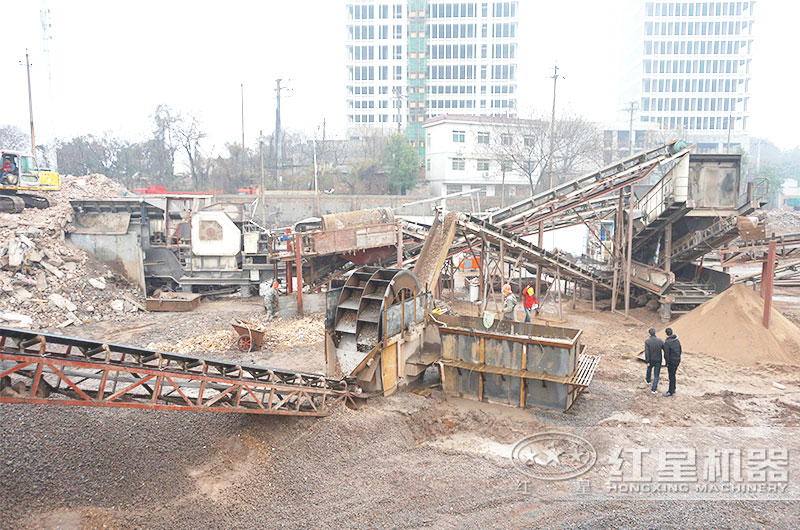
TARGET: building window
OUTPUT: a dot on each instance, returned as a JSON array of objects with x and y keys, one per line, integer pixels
[
  {"x": 398, "y": 11},
  {"x": 458, "y": 164},
  {"x": 483, "y": 164},
  {"x": 506, "y": 139},
  {"x": 398, "y": 52},
  {"x": 483, "y": 137},
  {"x": 528, "y": 140},
  {"x": 458, "y": 136},
  {"x": 453, "y": 188}
]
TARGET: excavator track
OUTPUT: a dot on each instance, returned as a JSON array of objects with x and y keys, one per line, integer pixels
[
  {"x": 42, "y": 368},
  {"x": 34, "y": 201},
  {"x": 11, "y": 204}
]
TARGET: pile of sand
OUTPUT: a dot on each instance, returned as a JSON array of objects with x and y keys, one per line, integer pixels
[{"x": 730, "y": 327}]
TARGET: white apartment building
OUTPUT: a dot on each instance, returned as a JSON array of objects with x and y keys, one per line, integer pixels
[
  {"x": 409, "y": 60},
  {"x": 462, "y": 154},
  {"x": 691, "y": 69}
]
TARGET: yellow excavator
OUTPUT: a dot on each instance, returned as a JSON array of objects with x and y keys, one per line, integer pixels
[{"x": 19, "y": 173}]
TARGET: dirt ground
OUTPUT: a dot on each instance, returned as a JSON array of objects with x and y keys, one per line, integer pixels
[{"x": 404, "y": 461}]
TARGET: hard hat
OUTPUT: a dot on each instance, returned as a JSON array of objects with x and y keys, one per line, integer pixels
[
  {"x": 506, "y": 288},
  {"x": 275, "y": 285},
  {"x": 530, "y": 290}
]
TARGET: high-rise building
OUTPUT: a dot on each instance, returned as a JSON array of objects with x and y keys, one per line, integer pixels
[
  {"x": 409, "y": 60},
  {"x": 691, "y": 69}
]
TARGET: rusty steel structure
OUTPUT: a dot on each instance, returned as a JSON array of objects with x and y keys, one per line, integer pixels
[
  {"x": 42, "y": 368},
  {"x": 569, "y": 195}
]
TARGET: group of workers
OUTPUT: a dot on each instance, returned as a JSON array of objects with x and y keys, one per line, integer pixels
[
  {"x": 656, "y": 351},
  {"x": 529, "y": 302},
  {"x": 653, "y": 349}
]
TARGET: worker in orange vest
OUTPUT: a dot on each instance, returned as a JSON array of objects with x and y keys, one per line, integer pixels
[{"x": 529, "y": 302}]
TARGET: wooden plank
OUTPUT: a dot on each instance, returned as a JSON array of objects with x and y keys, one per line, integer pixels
[
  {"x": 482, "y": 359},
  {"x": 389, "y": 369}
]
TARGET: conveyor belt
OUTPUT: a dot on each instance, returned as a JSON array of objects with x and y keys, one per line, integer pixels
[
  {"x": 515, "y": 245},
  {"x": 44, "y": 368},
  {"x": 567, "y": 196}
]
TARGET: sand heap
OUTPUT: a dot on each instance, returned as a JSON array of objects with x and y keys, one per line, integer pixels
[{"x": 729, "y": 327}]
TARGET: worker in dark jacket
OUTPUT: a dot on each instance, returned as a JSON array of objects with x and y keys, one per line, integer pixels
[
  {"x": 672, "y": 356},
  {"x": 653, "y": 347}
]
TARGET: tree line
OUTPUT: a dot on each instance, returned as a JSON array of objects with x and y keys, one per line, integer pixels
[{"x": 176, "y": 154}]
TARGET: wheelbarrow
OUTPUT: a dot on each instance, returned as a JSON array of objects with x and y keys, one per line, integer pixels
[{"x": 250, "y": 335}]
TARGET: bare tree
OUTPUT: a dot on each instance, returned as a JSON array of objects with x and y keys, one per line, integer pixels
[
  {"x": 189, "y": 133},
  {"x": 13, "y": 138},
  {"x": 577, "y": 147},
  {"x": 519, "y": 145},
  {"x": 523, "y": 146}
]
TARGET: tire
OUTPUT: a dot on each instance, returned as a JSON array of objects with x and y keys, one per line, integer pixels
[{"x": 244, "y": 343}]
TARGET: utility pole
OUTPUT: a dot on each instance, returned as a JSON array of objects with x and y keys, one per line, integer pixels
[
  {"x": 398, "y": 101},
  {"x": 30, "y": 107},
  {"x": 316, "y": 181},
  {"x": 554, "y": 77},
  {"x": 263, "y": 183},
  {"x": 278, "y": 149},
  {"x": 47, "y": 27},
  {"x": 322, "y": 155},
  {"x": 242, "y": 89},
  {"x": 632, "y": 107},
  {"x": 730, "y": 126}
]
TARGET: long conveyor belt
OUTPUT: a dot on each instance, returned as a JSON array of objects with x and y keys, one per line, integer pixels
[
  {"x": 568, "y": 195},
  {"x": 45, "y": 368},
  {"x": 516, "y": 245}
]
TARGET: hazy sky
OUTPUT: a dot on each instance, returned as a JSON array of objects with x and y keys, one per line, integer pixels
[{"x": 113, "y": 62}]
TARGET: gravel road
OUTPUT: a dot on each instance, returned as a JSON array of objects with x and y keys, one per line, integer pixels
[{"x": 391, "y": 464}]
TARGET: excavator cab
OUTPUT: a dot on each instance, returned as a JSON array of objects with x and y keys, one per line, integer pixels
[
  {"x": 19, "y": 172},
  {"x": 9, "y": 169}
]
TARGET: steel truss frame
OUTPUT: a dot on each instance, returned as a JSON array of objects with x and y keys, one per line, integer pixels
[
  {"x": 570, "y": 194},
  {"x": 788, "y": 247},
  {"x": 42, "y": 368}
]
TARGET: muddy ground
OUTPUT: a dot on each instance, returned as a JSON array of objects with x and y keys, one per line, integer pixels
[{"x": 404, "y": 461}]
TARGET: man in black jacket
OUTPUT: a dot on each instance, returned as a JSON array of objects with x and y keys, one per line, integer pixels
[
  {"x": 672, "y": 355},
  {"x": 652, "y": 355}
]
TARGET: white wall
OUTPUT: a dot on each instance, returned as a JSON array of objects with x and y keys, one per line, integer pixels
[{"x": 440, "y": 149}]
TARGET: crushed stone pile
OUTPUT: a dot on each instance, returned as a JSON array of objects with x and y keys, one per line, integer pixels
[
  {"x": 730, "y": 327},
  {"x": 293, "y": 331},
  {"x": 46, "y": 282},
  {"x": 214, "y": 340},
  {"x": 782, "y": 221}
]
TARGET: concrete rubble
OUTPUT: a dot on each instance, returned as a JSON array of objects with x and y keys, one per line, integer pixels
[{"x": 47, "y": 282}]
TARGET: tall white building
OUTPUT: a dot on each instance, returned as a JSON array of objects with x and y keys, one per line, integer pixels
[
  {"x": 691, "y": 69},
  {"x": 409, "y": 60}
]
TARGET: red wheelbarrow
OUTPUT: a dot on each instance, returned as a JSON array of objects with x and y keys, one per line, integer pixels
[{"x": 250, "y": 335}]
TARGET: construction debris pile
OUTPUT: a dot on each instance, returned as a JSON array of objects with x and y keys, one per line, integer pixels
[
  {"x": 730, "y": 327},
  {"x": 782, "y": 221},
  {"x": 46, "y": 282},
  {"x": 293, "y": 331},
  {"x": 282, "y": 331},
  {"x": 214, "y": 340}
]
